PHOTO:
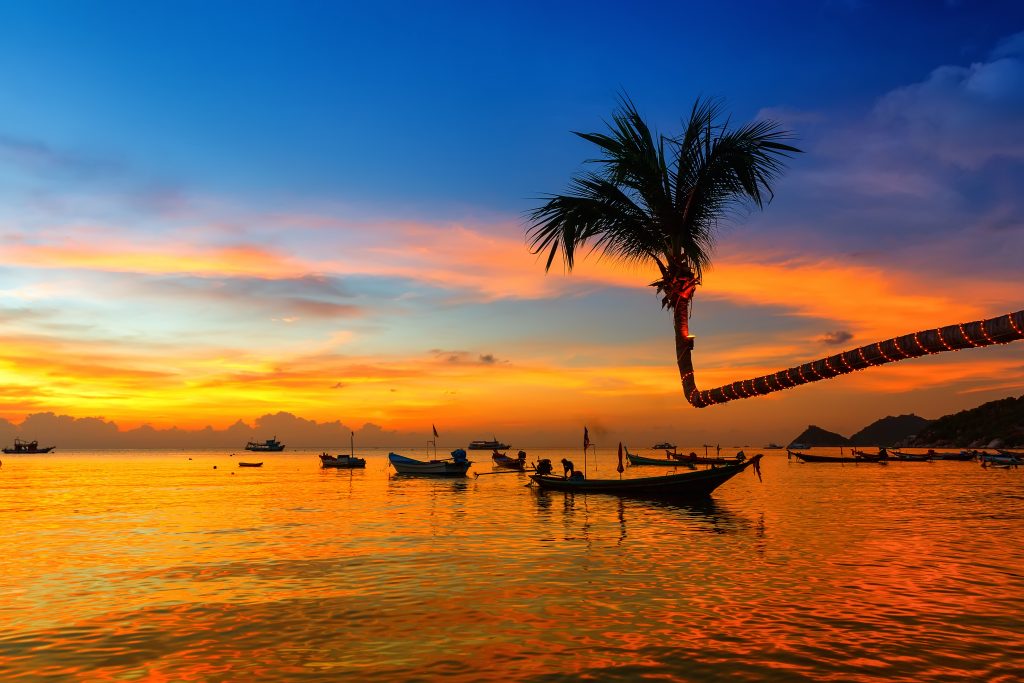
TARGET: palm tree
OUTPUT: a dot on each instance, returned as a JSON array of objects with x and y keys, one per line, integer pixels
[{"x": 662, "y": 199}]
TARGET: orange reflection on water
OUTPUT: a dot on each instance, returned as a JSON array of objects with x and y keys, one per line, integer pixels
[{"x": 155, "y": 566}]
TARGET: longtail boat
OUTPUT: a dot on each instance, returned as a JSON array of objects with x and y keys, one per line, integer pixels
[
  {"x": 807, "y": 457},
  {"x": 503, "y": 460},
  {"x": 882, "y": 454},
  {"x": 660, "y": 462},
  {"x": 1008, "y": 459},
  {"x": 700, "y": 459},
  {"x": 250, "y": 464},
  {"x": 457, "y": 466},
  {"x": 341, "y": 462},
  {"x": 697, "y": 484}
]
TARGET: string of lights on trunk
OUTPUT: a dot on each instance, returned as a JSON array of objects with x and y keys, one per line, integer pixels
[{"x": 1000, "y": 330}]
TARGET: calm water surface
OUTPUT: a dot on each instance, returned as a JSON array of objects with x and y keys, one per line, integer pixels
[{"x": 149, "y": 565}]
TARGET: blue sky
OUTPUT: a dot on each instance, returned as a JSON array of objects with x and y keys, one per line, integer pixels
[{"x": 339, "y": 188}]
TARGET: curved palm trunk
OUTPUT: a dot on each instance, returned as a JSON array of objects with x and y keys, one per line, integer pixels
[{"x": 1000, "y": 330}]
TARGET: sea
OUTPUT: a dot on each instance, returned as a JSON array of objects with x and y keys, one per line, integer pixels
[{"x": 182, "y": 566}]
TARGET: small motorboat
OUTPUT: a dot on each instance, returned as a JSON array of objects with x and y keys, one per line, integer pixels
[
  {"x": 664, "y": 445},
  {"x": 250, "y": 464},
  {"x": 341, "y": 462},
  {"x": 456, "y": 466}
]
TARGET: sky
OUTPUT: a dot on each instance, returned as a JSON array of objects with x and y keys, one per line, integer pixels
[{"x": 221, "y": 211}]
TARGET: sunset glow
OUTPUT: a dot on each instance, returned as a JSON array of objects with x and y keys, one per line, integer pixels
[{"x": 150, "y": 294}]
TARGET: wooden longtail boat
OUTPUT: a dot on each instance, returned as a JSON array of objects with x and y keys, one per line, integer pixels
[
  {"x": 807, "y": 457},
  {"x": 1008, "y": 459},
  {"x": 700, "y": 459},
  {"x": 502, "y": 460},
  {"x": 457, "y": 466},
  {"x": 698, "y": 484},
  {"x": 250, "y": 464},
  {"x": 660, "y": 462},
  {"x": 341, "y": 462},
  {"x": 912, "y": 457}
]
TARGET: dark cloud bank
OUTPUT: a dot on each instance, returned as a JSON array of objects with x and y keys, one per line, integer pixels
[{"x": 68, "y": 432}]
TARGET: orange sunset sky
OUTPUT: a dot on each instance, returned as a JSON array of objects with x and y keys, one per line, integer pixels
[{"x": 193, "y": 237}]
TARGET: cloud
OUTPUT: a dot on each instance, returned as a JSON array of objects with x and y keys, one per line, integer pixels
[
  {"x": 837, "y": 337},
  {"x": 965, "y": 116}
]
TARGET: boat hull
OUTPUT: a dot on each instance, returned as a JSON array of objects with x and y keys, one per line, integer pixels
[
  {"x": 433, "y": 468},
  {"x": 637, "y": 460},
  {"x": 28, "y": 451},
  {"x": 502, "y": 460},
  {"x": 250, "y": 464},
  {"x": 805, "y": 457},
  {"x": 265, "y": 449},
  {"x": 687, "y": 485},
  {"x": 487, "y": 446},
  {"x": 342, "y": 462}
]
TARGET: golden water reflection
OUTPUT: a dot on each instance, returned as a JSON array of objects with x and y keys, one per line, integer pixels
[{"x": 151, "y": 565}]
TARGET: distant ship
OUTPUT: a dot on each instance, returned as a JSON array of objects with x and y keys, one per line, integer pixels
[
  {"x": 26, "y": 447},
  {"x": 664, "y": 445},
  {"x": 268, "y": 446},
  {"x": 488, "y": 445},
  {"x": 772, "y": 446}
]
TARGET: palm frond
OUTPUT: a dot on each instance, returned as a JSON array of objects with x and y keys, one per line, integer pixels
[{"x": 661, "y": 198}]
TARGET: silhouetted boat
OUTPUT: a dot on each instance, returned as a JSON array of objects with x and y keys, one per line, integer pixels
[
  {"x": 250, "y": 464},
  {"x": 664, "y": 445},
  {"x": 1010, "y": 459},
  {"x": 456, "y": 466},
  {"x": 341, "y": 462},
  {"x": 502, "y": 460},
  {"x": 772, "y": 446},
  {"x": 700, "y": 459},
  {"x": 962, "y": 456},
  {"x": 487, "y": 445},
  {"x": 268, "y": 446},
  {"x": 696, "y": 484},
  {"x": 882, "y": 454},
  {"x": 660, "y": 462},
  {"x": 912, "y": 457},
  {"x": 807, "y": 457},
  {"x": 27, "y": 447}
]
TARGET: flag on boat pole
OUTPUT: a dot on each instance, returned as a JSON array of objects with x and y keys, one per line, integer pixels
[
  {"x": 586, "y": 445},
  {"x": 620, "y": 467},
  {"x": 435, "y": 431}
]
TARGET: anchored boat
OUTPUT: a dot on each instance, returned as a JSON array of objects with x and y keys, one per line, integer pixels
[
  {"x": 494, "y": 445},
  {"x": 697, "y": 484},
  {"x": 27, "y": 447},
  {"x": 456, "y": 466},
  {"x": 341, "y": 462},
  {"x": 268, "y": 446},
  {"x": 503, "y": 460},
  {"x": 661, "y": 462}
]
